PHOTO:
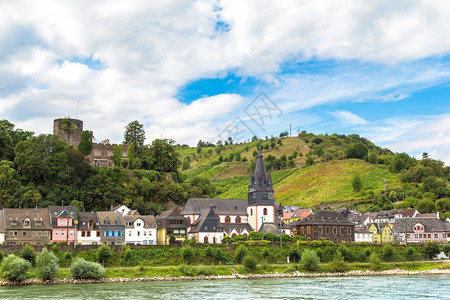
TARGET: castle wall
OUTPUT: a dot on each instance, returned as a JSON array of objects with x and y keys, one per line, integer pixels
[{"x": 71, "y": 137}]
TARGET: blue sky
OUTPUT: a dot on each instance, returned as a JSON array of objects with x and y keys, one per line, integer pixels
[{"x": 188, "y": 69}]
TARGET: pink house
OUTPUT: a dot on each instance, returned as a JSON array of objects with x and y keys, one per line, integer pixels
[
  {"x": 63, "y": 225},
  {"x": 421, "y": 230}
]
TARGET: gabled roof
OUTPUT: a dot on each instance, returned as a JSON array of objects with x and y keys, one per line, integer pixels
[
  {"x": 149, "y": 221},
  {"x": 287, "y": 215},
  {"x": 114, "y": 218},
  {"x": 302, "y": 213},
  {"x": 194, "y": 206},
  {"x": 61, "y": 212},
  {"x": 36, "y": 215},
  {"x": 431, "y": 225},
  {"x": 239, "y": 227},
  {"x": 408, "y": 213},
  {"x": 428, "y": 215},
  {"x": 324, "y": 217},
  {"x": 269, "y": 228},
  {"x": 85, "y": 217},
  {"x": 208, "y": 222}
]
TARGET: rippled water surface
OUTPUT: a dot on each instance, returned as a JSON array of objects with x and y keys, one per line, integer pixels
[{"x": 388, "y": 287}]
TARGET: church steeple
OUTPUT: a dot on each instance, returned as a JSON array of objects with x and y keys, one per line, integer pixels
[{"x": 260, "y": 188}]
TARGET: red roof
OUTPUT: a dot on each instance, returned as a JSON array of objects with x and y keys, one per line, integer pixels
[
  {"x": 302, "y": 213},
  {"x": 287, "y": 215}
]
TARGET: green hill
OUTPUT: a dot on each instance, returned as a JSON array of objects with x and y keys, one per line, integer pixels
[{"x": 327, "y": 180}]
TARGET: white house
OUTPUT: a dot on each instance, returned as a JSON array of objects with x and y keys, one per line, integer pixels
[
  {"x": 140, "y": 230},
  {"x": 362, "y": 234},
  {"x": 2, "y": 228},
  {"x": 88, "y": 229}
]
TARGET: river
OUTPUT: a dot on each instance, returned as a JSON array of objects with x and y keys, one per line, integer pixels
[{"x": 382, "y": 287}]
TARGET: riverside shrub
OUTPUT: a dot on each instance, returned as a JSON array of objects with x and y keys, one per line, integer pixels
[
  {"x": 310, "y": 261},
  {"x": 47, "y": 265},
  {"x": 240, "y": 253},
  {"x": 83, "y": 269},
  {"x": 338, "y": 264},
  {"x": 375, "y": 263},
  {"x": 250, "y": 262},
  {"x": 104, "y": 254},
  {"x": 187, "y": 254},
  {"x": 28, "y": 253},
  {"x": 14, "y": 268}
]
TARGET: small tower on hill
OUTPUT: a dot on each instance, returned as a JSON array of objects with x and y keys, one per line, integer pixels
[
  {"x": 68, "y": 130},
  {"x": 260, "y": 197}
]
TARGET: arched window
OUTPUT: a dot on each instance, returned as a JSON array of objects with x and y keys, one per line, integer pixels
[
  {"x": 238, "y": 219},
  {"x": 214, "y": 240},
  {"x": 227, "y": 219},
  {"x": 245, "y": 234},
  {"x": 205, "y": 240},
  {"x": 251, "y": 211},
  {"x": 265, "y": 211},
  {"x": 188, "y": 219},
  {"x": 233, "y": 235}
]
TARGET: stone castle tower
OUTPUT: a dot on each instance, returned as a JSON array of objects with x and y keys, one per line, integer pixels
[
  {"x": 69, "y": 130},
  {"x": 260, "y": 200}
]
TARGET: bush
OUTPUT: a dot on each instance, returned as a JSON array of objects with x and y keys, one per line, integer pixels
[
  {"x": 68, "y": 256},
  {"x": 226, "y": 239},
  {"x": 431, "y": 249},
  {"x": 187, "y": 253},
  {"x": 250, "y": 262},
  {"x": 294, "y": 254},
  {"x": 1, "y": 256},
  {"x": 410, "y": 254},
  {"x": 104, "y": 254},
  {"x": 447, "y": 249},
  {"x": 338, "y": 264},
  {"x": 14, "y": 268},
  {"x": 310, "y": 261},
  {"x": 83, "y": 269},
  {"x": 28, "y": 253},
  {"x": 128, "y": 256},
  {"x": 388, "y": 253},
  {"x": 375, "y": 263},
  {"x": 240, "y": 252},
  {"x": 47, "y": 265}
]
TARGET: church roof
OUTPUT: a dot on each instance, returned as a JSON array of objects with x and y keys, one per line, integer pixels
[
  {"x": 208, "y": 222},
  {"x": 195, "y": 206},
  {"x": 260, "y": 181}
]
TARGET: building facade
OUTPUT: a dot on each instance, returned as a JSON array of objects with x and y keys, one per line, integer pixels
[{"x": 27, "y": 226}]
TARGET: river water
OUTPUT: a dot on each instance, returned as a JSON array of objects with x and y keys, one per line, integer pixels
[{"x": 382, "y": 287}]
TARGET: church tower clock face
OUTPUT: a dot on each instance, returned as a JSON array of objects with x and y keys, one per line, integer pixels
[{"x": 271, "y": 196}]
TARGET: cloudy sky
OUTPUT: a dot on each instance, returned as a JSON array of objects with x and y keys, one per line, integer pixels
[{"x": 191, "y": 70}]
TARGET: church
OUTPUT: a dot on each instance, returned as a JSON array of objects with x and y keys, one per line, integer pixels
[{"x": 210, "y": 220}]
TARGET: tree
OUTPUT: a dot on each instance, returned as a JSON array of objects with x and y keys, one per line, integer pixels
[
  {"x": 41, "y": 159},
  {"x": 28, "y": 253},
  {"x": 356, "y": 183},
  {"x": 9, "y": 138},
  {"x": 309, "y": 260},
  {"x": 162, "y": 156},
  {"x": 431, "y": 249},
  {"x": 358, "y": 150},
  {"x": 82, "y": 269},
  {"x": 104, "y": 254},
  {"x": 375, "y": 263},
  {"x": 135, "y": 134},
  {"x": 14, "y": 268},
  {"x": 47, "y": 265},
  {"x": 117, "y": 155},
  {"x": 85, "y": 145},
  {"x": 240, "y": 253}
]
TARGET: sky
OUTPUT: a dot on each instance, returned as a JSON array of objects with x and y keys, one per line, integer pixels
[{"x": 209, "y": 70}]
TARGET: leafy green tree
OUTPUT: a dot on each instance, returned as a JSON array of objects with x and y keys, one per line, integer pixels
[
  {"x": 356, "y": 183},
  {"x": 82, "y": 269},
  {"x": 358, "y": 150},
  {"x": 240, "y": 252},
  {"x": 9, "y": 182},
  {"x": 187, "y": 254},
  {"x": 309, "y": 260},
  {"x": 162, "y": 156},
  {"x": 250, "y": 263},
  {"x": 117, "y": 155},
  {"x": 9, "y": 138},
  {"x": 338, "y": 264},
  {"x": 14, "y": 268},
  {"x": 128, "y": 255},
  {"x": 431, "y": 249},
  {"x": 28, "y": 253},
  {"x": 78, "y": 167},
  {"x": 375, "y": 263},
  {"x": 425, "y": 206},
  {"x": 208, "y": 189},
  {"x": 85, "y": 145},
  {"x": 135, "y": 134},
  {"x": 104, "y": 254},
  {"x": 47, "y": 265}
]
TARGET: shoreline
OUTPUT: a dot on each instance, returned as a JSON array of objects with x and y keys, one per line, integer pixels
[{"x": 296, "y": 274}]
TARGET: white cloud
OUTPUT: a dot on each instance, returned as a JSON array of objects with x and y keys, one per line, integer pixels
[{"x": 348, "y": 118}]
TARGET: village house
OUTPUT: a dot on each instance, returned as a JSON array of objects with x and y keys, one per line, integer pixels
[
  {"x": 328, "y": 225},
  {"x": 63, "y": 224},
  {"x": 170, "y": 223},
  {"x": 27, "y": 226},
  {"x": 140, "y": 230},
  {"x": 363, "y": 235},
  {"x": 207, "y": 228},
  {"x": 112, "y": 227},
  {"x": 421, "y": 230},
  {"x": 88, "y": 230}
]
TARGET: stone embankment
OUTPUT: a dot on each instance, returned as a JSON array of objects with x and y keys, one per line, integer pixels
[{"x": 296, "y": 274}]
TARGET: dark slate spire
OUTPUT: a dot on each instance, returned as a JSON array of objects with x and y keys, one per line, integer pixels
[{"x": 260, "y": 188}]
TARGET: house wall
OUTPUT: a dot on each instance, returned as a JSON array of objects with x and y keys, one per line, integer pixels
[
  {"x": 27, "y": 236},
  {"x": 333, "y": 232},
  {"x": 211, "y": 235},
  {"x": 361, "y": 237},
  {"x": 161, "y": 236},
  {"x": 91, "y": 237},
  {"x": 2, "y": 238},
  {"x": 141, "y": 236},
  {"x": 255, "y": 212}
]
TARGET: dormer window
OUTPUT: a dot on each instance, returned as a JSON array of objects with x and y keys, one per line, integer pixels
[
  {"x": 117, "y": 221},
  {"x": 13, "y": 222},
  {"x": 39, "y": 223},
  {"x": 106, "y": 221},
  {"x": 138, "y": 224},
  {"x": 26, "y": 223}
]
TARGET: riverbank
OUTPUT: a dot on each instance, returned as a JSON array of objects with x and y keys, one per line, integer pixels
[{"x": 441, "y": 268}]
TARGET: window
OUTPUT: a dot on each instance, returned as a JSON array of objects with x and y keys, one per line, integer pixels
[
  {"x": 138, "y": 224},
  {"x": 319, "y": 229},
  {"x": 349, "y": 230},
  {"x": 342, "y": 230},
  {"x": 83, "y": 233},
  {"x": 308, "y": 230},
  {"x": 62, "y": 222},
  {"x": 265, "y": 197},
  {"x": 420, "y": 236},
  {"x": 24, "y": 233},
  {"x": 129, "y": 233},
  {"x": 138, "y": 233},
  {"x": 56, "y": 232},
  {"x": 327, "y": 229},
  {"x": 145, "y": 233},
  {"x": 435, "y": 236},
  {"x": 150, "y": 233},
  {"x": 188, "y": 219},
  {"x": 63, "y": 232},
  {"x": 227, "y": 219},
  {"x": 429, "y": 235},
  {"x": 26, "y": 223},
  {"x": 238, "y": 219},
  {"x": 251, "y": 211},
  {"x": 98, "y": 233},
  {"x": 265, "y": 211},
  {"x": 205, "y": 240},
  {"x": 334, "y": 230},
  {"x": 71, "y": 232},
  {"x": 302, "y": 230}
]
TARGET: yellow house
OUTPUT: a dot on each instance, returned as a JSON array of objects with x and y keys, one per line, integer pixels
[
  {"x": 376, "y": 236},
  {"x": 381, "y": 233},
  {"x": 170, "y": 223}
]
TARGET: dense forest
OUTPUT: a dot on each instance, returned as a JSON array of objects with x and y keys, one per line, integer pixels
[{"x": 43, "y": 170}]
